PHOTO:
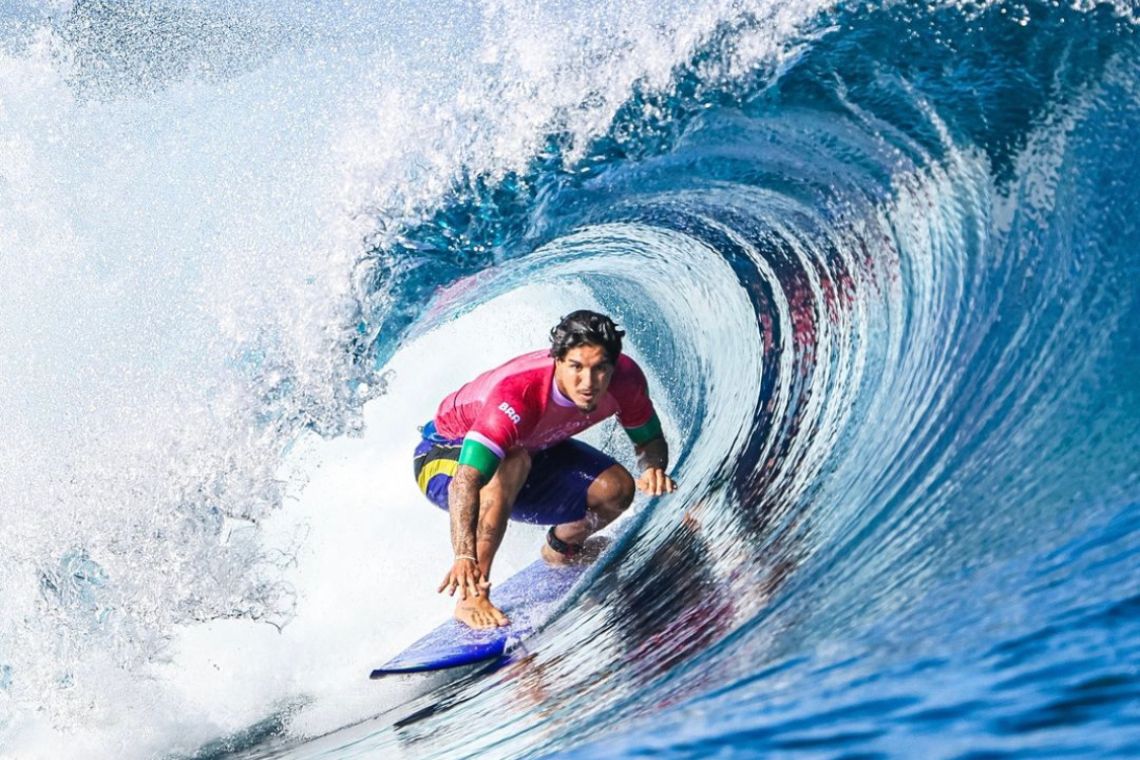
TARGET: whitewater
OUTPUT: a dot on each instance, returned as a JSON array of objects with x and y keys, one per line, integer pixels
[{"x": 879, "y": 261}]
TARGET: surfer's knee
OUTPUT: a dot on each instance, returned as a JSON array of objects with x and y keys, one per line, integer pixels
[{"x": 611, "y": 492}]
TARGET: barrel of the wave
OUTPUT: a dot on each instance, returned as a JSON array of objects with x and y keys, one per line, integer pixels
[{"x": 502, "y": 448}]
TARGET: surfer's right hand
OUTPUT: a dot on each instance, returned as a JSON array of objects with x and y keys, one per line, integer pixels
[{"x": 466, "y": 576}]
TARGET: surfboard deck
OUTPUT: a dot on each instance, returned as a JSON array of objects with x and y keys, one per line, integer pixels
[{"x": 528, "y": 598}]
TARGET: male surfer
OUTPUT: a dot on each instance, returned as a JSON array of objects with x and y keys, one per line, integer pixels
[{"x": 501, "y": 447}]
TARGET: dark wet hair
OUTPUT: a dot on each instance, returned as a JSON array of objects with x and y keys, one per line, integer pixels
[{"x": 586, "y": 328}]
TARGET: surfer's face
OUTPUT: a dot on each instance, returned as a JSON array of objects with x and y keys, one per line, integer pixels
[{"x": 584, "y": 375}]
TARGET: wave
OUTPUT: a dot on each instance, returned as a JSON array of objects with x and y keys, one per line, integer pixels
[{"x": 877, "y": 261}]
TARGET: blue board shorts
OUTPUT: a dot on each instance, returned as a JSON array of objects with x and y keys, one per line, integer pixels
[{"x": 555, "y": 489}]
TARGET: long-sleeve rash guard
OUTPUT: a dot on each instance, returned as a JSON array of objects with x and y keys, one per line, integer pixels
[{"x": 519, "y": 404}]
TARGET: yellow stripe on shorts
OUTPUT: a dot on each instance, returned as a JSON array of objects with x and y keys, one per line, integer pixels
[{"x": 436, "y": 467}]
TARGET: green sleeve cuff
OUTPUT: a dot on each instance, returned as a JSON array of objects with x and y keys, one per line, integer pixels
[
  {"x": 475, "y": 454},
  {"x": 645, "y": 433}
]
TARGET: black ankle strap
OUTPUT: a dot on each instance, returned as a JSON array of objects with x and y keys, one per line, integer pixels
[{"x": 567, "y": 550}]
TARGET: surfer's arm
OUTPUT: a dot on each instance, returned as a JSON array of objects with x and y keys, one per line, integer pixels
[
  {"x": 653, "y": 457},
  {"x": 653, "y": 454},
  {"x": 478, "y": 460},
  {"x": 643, "y": 427},
  {"x": 463, "y": 505}
]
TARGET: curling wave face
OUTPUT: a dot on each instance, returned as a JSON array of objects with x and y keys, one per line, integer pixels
[{"x": 888, "y": 292}]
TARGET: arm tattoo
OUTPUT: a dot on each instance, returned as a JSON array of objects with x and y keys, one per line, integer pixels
[
  {"x": 463, "y": 501},
  {"x": 486, "y": 530}
]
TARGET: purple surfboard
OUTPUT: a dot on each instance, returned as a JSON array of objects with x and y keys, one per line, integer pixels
[{"x": 528, "y": 598}]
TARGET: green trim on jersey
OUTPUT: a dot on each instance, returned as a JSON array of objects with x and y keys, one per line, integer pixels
[
  {"x": 646, "y": 433},
  {"x": 480, "y": 457}
]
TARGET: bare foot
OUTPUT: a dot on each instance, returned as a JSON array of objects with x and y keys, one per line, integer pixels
[{"x": 478, "y": 612}]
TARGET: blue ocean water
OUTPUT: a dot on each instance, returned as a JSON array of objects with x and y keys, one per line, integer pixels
[{"x": 880, "y": 259}]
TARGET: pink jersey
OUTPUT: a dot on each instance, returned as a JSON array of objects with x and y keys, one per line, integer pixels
[{"x": 519, "y": 404}]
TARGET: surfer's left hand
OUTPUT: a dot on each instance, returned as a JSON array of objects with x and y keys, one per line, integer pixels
[
  {"x": 655, "y": 482},
  {"x": 465, "y": 576}
]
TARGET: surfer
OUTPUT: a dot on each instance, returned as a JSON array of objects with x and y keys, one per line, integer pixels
[{"x": 501, "y": 447}]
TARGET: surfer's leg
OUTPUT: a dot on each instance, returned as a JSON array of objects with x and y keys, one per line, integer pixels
[
  {"x": 608, "y": 496},
  {"x": 575, "y": 488}
]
